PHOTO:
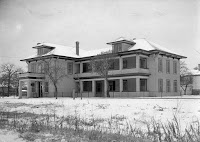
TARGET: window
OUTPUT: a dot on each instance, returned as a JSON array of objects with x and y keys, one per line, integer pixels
[
  {"x": 175, "y": 86},
  {"x": 40, "y": 51},
  {"x": 70, "y": 68},
  {"x": 167, "y": 85},
  {"x": 125, "y": 85},
  {"x": 46, "y": 67},
  {"x": 160, "y": 65},
  {"x": 33, "y": 67},
  {"x": 167, "y": 66},
  {"x": 77, "y": 68},
  {"x": 86, "y": 67},
  {"x": 33, "y": 87},
  {"x": 114, "y": 64},
  {"x": 87, "y": 86},
  {"x": 129, "y": 62},
  {"x": 175, "y": 67},
  {"x": 143, "y": 85},
  {"x": 143, "y": 63},
  {"x": 77, "y": 87},
  {"x": 39, "y": 68},
  {"x": 160, "y": 85},
  {"x": 46, "y": 87},
  {"x": 117, "y": 47},
  {"x": 129, "y": 85},
  {"x": 113, "y": 85}
]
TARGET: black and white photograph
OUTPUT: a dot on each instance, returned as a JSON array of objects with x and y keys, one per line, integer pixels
[{"x": 99, "y": 70}]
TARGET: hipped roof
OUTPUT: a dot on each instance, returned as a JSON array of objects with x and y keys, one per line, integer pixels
[{"x": 67, "y": 51}]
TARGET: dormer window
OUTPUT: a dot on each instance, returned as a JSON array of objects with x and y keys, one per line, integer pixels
[
  {"x": 117, "y": 47},
  {"x": 121, "y": 45},
  {"x": 40, "y": 51}
]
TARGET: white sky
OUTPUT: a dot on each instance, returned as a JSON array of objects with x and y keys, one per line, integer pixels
[{"x": 173, "y": 24}]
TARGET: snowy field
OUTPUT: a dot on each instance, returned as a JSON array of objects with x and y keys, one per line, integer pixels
[
  {"x": 138, "y": 111},
  {"x": 134, "y": 111}
]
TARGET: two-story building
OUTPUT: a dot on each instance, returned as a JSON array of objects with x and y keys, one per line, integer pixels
[{"x": 141, "y": 69}]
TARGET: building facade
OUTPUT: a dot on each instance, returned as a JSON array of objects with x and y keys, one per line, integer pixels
[
  {"x": 141, "y": 69},
  {"x": 194, "y": 88}
]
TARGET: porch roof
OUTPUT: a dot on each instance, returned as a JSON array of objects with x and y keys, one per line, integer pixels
[{"x": 116, "y": 75}]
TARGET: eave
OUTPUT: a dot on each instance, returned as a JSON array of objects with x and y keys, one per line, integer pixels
[
  {"x": 121, "y": 41},
  {"x": 44, "y": 46},
  {"x": 138, "y": 51},
  {"x": 47, "y": 57},
  {"x": 116, "y": 75},
  {"x": 167, "y": 54}
]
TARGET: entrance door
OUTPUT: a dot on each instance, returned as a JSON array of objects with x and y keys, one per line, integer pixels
[
  {"x": 99, "y": 89},
  {"x": 40, "y": 89}
]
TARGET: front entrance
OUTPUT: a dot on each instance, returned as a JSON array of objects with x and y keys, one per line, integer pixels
[
  {"x": 40, "y": 89},
  {"x": 99, "y": 89}
]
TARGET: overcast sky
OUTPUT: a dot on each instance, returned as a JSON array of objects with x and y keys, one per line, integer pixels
[{"x": 174, "y": 24}]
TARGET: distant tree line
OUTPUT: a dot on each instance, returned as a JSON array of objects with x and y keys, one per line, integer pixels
[{"x": 9, "y": 78}]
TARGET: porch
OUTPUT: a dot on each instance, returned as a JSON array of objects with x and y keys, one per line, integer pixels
[
  {"x": 118, "y": 87},
  {"x": 35, "y": 82}
]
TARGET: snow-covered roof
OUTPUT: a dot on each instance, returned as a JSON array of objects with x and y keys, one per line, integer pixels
[
  {"x": 142, "y": 43},
  {"x": 195, "y": 72},
  {"x": 59, "y": 50},
  {"x": 148, "y": 46},
  {"x": 68, "y": 51}
]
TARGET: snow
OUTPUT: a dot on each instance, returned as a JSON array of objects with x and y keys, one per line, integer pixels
[
  {"x": 9, "y": 136},
  {"x": 148, "y": 45},
  {"x": 67, "y": 51},
  {"x": 195, "y": 72},
  {"x": 135, "y": 111},
  {"x": 123, "y": 38}
]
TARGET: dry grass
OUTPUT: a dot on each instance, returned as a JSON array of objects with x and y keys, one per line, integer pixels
[{"x": 50, "y": 127}]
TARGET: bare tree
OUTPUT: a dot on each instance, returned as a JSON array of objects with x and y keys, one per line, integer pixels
[
  {"x": 101, "y": 65},
  {"x": 55, "y": 70},
  {"x": 15, "y": 80},
  {"x": 78, "y": 86},
  {"x": 3, "y": 83},
  {"x": 186, "y": 77},
  {"x": 9, "y": 70}
]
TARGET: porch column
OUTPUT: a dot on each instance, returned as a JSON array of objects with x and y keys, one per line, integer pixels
[
  {"x": 105, "y": 88},
  {"x": 93, "y": 88},
  {"x": 37, "y": 88},
  {"x": 81, "y": 86},
  {"x": 120, "y": 86},
  {"x": 81, "y": 67},
  {"x": 20, "y": 89},
  {"x": 137, "y": 84},
  {"x": 120, "y": 63},
  {"x": 137, "y": 61},
  {"x": 43, "y": 88},
  {"x": 28, "y": 89}
]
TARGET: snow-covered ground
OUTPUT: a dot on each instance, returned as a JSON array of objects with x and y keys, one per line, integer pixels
[
  {"x": 10, "y": 136},
  {"x": 135, "y": 111}
]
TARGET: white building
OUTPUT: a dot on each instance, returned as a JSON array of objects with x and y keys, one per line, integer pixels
[
  {"x": 141, "y": 68},
  {"x": 195, "y": 87}
]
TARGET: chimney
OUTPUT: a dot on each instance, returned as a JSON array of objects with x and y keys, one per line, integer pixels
[
  {"x": 199, "y": 67},
  {"x": 77, "y": 48}
]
